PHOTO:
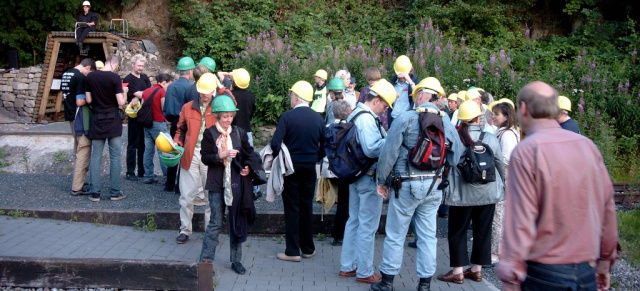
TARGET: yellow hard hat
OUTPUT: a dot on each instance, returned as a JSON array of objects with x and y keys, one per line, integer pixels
[
  {"x": 402, "y": 65},
  {"x": 502, "y": 100},
  {"x": 99, "y": 65},
  {"x": 468, "y": 110},
  {"x": 429, "y": 83},
  {"x": 303, "y": 89},
  {"x": 385, "y": 90},
  {"x": 132, "y": 111},
  {"x": 564, "y": 103},
  {"x": 165, "y": 143},
  {"x": 462, "y": 95},
  {"x": 453, "y": 97},
  {"x": 241, "y": 77},
  {"x": 207, "y": 83},
  {"x": 322, "y": 74},
  {"x": 473, "y": 94}
]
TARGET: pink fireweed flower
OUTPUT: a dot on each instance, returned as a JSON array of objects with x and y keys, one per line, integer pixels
[
  {"x": 634, "y": 53},
  {"x": 598, "y": 113},
  {"x": 407, "y": 37},
  {"x": 581, "y": 101},
  {"x": 626, "y": 84},
  {"x": 628, "y": 102},
  {"x": 422, "y": 62},
  {"x": 415, "y": 34},
  {"x": 492, "y": 60},
  {"x": 421, "y": 25},
  {"x": 437, "y": 49},
  {"x": 436, "y": 68},
  {"x": 502, "y": 55},
  {"x": 527, "y": 32},
  {"x": 373, "y": 41},
  {"x": 580, "y": 107},
  {"x": 593, "y": 65},
  {"x": 532, "y": 62}
]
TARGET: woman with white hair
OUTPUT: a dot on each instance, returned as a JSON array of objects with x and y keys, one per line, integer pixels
[{"x": 350, "y": 97}]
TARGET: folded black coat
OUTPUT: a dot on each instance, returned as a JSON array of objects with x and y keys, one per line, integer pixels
[{"x": 242, "y": 211}]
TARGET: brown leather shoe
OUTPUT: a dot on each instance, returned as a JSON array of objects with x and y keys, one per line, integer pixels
[
  {"x": 471, "y": 275},
  {"x": 451, "y": 277},
  {"x": 349, "y": 274},
  {"x": 375, "y": 278}
]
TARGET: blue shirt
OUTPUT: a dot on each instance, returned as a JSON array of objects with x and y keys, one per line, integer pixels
[
  {"x": 174, "y": 98},
  {"x": 401, "y": 104},
  {"x": 370, "y": 134}
]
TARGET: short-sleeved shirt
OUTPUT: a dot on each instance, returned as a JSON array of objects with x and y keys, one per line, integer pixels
[
  {"x": 156, "y": 107},
  {"x": 103, "y": 86},
  {"x": 72, "y": 85},
  {"x": 570, "y": 125},
  {"x": 136, "y": 84},
  {"x": 89, "y": 17}
]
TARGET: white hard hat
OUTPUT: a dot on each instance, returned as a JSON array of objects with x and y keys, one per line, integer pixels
[{"x": 86, "y": 3}]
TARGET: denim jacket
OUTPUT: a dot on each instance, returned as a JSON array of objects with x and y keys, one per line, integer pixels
[
  {"x": 370, "y": 136},
  {"x": 464, "y": 194},
  {"x": 405, "y": 130}
]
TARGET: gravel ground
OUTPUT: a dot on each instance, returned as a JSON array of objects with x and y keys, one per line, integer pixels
[{"x": 51, "y": 191}]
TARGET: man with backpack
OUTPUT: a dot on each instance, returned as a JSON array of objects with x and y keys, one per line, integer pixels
[
  {"x": 365, "y": 206},
  {"x": 154, "y": 97},
  {"x": 419, "y": 174}
]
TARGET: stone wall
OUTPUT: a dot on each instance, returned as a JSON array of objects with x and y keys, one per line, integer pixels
[{"x": 19, "y": 88}]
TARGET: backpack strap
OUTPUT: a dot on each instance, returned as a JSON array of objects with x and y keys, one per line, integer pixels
[
  {"x": 481, "y": 136},
  {"x": 374, "y": 118},
  {"x": 153, "y": 94}
]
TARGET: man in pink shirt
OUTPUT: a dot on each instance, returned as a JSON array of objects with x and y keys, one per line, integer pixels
[{"x": 560, "y": 229}]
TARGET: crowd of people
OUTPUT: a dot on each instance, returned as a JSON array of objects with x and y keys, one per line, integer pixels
[{"x": 537, "y": 219}]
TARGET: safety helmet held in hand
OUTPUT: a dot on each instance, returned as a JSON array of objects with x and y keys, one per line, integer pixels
[
  {"x": 186, "y": 63},
  {"x": 303, "y": 89},
  {"x": 99, "y": 65},
  {"x": 402, "y": 65},
  {"x": 564, "y": 103},
  {"x": 241, "y": 77},
  {"x": 223, "y": 103},
  {"x": 165, "y": 143},
  {"x": 385, "y": 90},
  {"x": 428, "y": 83},
  {"x": 172, "y": 158},
  {"x": 468, "y": 110},
  {"x": 132, "y": 111},
  {"x": 209, "y": 63},
  {"x": 336, "y": 84},
  {"x": 207, "y": 83},
  {"x": 322, "y": 74}
]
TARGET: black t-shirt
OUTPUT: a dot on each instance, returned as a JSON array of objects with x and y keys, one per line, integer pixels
[
  {"x": 104, "y": 86},
  {"x": 136, "y": 84},
  {"x": 246, "y": 108},
  {"x": 72, "y": 85}
]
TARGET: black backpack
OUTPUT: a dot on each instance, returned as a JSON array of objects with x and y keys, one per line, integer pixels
[
  {"x": 145, "y": 113},
  {"x": 430, "y": 151},
  {"x": 477, "y": 165},
  {"x": 346, "y": 157}
]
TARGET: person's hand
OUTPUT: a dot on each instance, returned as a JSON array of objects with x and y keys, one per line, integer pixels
[
  {"x": 604, "y": 281},
  {"x": 134, "y": 102},
  {"x": 244, "y": 171},
  {"x": 125, "y": 90},
  {"x": 229, "y": 153},
  {"x": 383, "y": 191}
]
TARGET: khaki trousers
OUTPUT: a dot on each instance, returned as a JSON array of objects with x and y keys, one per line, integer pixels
[
  {"x": 83, "y": 156},
  {"x": 192, "y": 183}
]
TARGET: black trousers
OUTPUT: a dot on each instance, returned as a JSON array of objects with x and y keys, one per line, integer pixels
[
  {"x": 83, "y": 32},
  {"x": 342, "y": 212},
  {"x": 135, "y": 147},
  {"x": 297, "y": 198},
  {"x": 172, "y": 172},
  {"x": 459, "y": 219}
]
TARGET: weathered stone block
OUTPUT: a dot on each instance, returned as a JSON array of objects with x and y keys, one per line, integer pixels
[
  {"x": 6, "y": 88},
  {"x": 37, "y": 75},
  {"x": 33, "y": 86},
  {"x": 20, "y": 86},
  {"x": 35, "y": 70},
  {"x": 23, "y": 113},
  {"x": 19, "y": 103},
  {"x": 23, "y": 75},
  {"x": 28, "y": 110},
  {"x": 8, "y": 97},
  {"x": 7, "y": 104},
  {"x": 29, "y": 103},
  {"x": 8, "y": 75},
  {"x": 24, "y": 70}
]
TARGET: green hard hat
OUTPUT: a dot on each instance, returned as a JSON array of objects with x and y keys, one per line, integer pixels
[
  {"x": 171, "y": 159},
  {"x": 336, "y": 84},
  {"x": 186, "y": 63},
  {"x": 209, "y": 63},
  {"x": 223, "y": 103}
]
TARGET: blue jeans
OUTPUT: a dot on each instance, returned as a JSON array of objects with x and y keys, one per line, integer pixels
[
  {"x": 365, "y": 207},
  {"x": 210, "y": 240},
  {"x": 115, "y": 165},
  {"x": 150, "y": 135},
  {"x": 560, "y": 277},
  {"x": 412, "y": 202}
]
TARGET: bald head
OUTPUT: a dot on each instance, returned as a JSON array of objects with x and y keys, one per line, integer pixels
[{"x": 541, "y": 100}]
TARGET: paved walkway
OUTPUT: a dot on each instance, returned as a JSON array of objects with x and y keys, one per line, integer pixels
[{"x": 33, "y": 237}]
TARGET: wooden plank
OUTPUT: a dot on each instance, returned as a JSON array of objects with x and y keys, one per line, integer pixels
[
  {"x": 105, "y": 50},
  {"x": 58, "y": 106},
  {"x": 205, "y": 276},
  {"x": 49, "y": 78},
  {"x": 100, "y": 273}
]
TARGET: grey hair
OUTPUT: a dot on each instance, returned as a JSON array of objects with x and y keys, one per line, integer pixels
[
  {"x": 138, "y": 57},
  {"x": 341, "y": 109}
]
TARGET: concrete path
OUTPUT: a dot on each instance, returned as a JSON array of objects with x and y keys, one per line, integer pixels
[{"x": 33, "y": 237}]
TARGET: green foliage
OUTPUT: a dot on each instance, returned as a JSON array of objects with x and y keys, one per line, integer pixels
[
  {"x": 3, "y": 155},
  {"x": 628, "y": 225},
  {"x": 148, "y": 224}
]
